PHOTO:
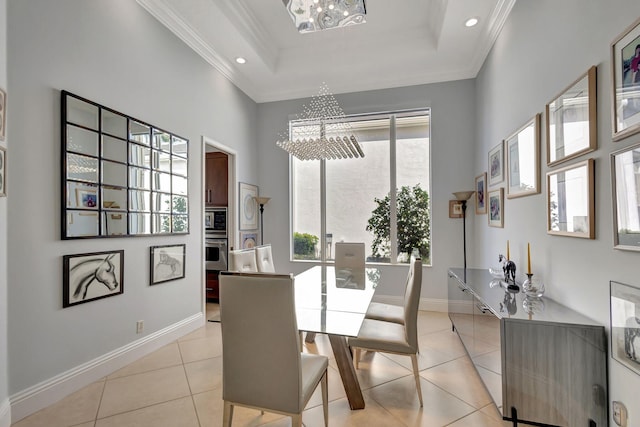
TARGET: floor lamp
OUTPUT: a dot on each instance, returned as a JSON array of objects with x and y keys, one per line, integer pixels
[
  {"x": 262, "y": 201},
  {"x": 462, "y": 197}
]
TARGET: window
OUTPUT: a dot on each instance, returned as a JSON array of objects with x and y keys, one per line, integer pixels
[{"x": 351, "y": 200}]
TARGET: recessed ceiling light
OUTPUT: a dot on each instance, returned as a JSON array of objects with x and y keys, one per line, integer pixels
[
  {"x": 241, "y": 60},
  {"x": 471, "y": 22}
]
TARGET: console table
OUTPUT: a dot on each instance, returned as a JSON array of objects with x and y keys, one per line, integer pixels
[{"x": 541, "y": 362}]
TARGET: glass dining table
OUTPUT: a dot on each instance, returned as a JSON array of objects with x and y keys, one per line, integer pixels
[{"x": 334, "y": 302}]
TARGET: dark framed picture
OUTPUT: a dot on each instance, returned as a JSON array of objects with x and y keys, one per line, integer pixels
[
  {"x": 3, "y": 172},
  {"x": 455, "y": 209},
  {"x": 167, "y": 263},
  {"x": 92, "y": 276},
  {"x": 496, "y": 208},
  {"x": 496, "y": 164},
  {"x": 625, "y": 325},
  {"x": 625, "y": 62},
  {"x": 481, "y": 194}
]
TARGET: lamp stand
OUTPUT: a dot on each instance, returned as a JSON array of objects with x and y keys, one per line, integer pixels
[
  {"x": 261, "y": 224},
  {"x": 464, "y": 233}
]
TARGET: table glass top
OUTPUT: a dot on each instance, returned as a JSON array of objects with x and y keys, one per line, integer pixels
[{"x": 334, "y": 302}]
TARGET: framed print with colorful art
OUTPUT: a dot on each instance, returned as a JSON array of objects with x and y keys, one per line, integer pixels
[
  {"x": 481, "y": 194},
  {"x": 248, "y": 239},
  {"x": 496, "y": 164},
  {"x": 625, "y": 63}
]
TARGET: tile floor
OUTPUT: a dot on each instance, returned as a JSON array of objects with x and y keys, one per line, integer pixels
[{"x": 180, "y": 385}]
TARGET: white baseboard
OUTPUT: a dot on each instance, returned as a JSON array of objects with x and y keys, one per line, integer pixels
[
  {"x": 426, "y": 304},
  {"x": 41, "y": 395},
  {"x": 5, "y": 413}
]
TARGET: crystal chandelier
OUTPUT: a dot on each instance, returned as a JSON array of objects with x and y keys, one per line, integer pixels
[
  {"x": 321, "y": 132},
  {"x": 316, "y": 15}
]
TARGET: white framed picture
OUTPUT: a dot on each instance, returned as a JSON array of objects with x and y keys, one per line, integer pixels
[{"x": 248, "y": 206}]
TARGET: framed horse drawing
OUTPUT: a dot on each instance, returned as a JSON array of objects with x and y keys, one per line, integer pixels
[
  {"x": 167, "y": 263},
  {"x": 91, "y": 276}
]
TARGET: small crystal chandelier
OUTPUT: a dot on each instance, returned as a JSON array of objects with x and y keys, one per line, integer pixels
[
  {"x": 321, "y": 133},
  {"x": 315, "y": 15}
]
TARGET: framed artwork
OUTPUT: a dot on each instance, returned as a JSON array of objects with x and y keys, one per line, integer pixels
[
  {"x": 92, "y": 276},
  {"x": 3, "y": 113},
  {"x": 496, "y": 164},
  {"x": 167, "y": 263},
  {"x": 570, "y": 200},
  {"x": 481, "y": 194},
  {"x": 571, "y": 120},
  {"x": 625, "y": 325},
  {"x": 625, "y": 62},
  {"x": 626, "y": 198},
  {"x": 248, "y": 207},
  {"x": 86, "y": 198},
  {"x": 455, "y": 209},
  {"x": 523, "y": 160},
  {"x": 248, "y": 239},
  {"x": 496, "y": 208},
  {"x": 3, "y": 172}
]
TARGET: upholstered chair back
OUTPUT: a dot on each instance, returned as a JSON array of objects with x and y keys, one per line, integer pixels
[
  {"x": 243, "y": 261},
  {"x": 349, "y": 255},
  {"x": 411, "y": 301},
  {"x": 264, "y": 259},
  {"x": 261, "y": 349}
]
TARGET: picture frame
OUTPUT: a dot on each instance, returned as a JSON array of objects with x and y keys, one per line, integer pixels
[
  {"x": 523, "y": 160},
  {"x": 87, "y": 198},
  {"x": 248, "y": 239},
  {"x": 455, "y": 209},
  {"x": 496, "y": 165},
  {"x": 571, "y": 201},
  {"x": 625, "y": 325},
  {"x": 3, "y": 114},
  {"x": 495, "y": 203},
  {"x": 626, "y": 196},
  {"x": 571, "y": 125},
  {"x": 91, "y": 276},
  {"x": 625, "y": 64},
  {"x": 248, "y": 207},
  {"x": 481, "y": 194},
  {"x": 3, "y": 172},
  {"x": 167, "y": 263}
]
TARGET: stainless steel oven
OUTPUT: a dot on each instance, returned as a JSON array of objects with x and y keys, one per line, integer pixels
[
  {"x": 215, "y": 222},
  {"x": 215, "y": 254}
]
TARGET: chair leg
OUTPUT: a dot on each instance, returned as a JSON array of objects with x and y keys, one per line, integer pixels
[
  {"x": 227, "y": 414},
  {"x": 416, "y": 375},
  {"x": 325, "y": 399},
  {"x": 357, "y": 356},
  {"x": 296, "y": 420}
]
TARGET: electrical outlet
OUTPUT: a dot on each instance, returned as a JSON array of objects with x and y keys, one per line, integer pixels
[
  {"x": 139, "y": 326},
  {"x": 620, "y": 414}
]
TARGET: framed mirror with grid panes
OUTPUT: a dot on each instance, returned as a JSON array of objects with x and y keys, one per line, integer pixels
[{"x": 121, "y": 176}]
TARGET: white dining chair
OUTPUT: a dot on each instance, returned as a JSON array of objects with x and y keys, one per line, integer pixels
[
  {"x": 389, "y": 312},
  {"x": 349, "y": 255},
  {"x": 264, "y": 259},
  {"x": 396, "y": 338},
  {"x": 262, "y": 366},
  {"x": 243, "y": 260}
]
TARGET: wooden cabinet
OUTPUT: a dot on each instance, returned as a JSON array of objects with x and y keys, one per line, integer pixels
[
  {"x": 216, "y": 179},
  {"x": 212, "y": 286},
  {"x": 541, "y": 362}
]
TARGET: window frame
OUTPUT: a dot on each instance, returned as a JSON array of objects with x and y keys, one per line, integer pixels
[{"x": 393, "y": 220}]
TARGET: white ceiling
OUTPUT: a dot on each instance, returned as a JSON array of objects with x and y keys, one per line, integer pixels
[{"x": 403, "y": 42}]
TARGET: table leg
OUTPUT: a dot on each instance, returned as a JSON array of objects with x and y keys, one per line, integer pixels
[{"x": 347, "y": 371}]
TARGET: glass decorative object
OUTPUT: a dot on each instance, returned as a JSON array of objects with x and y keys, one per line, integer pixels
[
  {"x": 533, "y": 305},
  {"x": 533, "y": 287}
]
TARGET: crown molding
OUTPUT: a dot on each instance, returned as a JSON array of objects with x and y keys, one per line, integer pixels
[{"x": 492, "y": 31}]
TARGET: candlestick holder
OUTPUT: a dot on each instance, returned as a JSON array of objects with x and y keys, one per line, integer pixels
[{"x": 533, "y": 287}]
